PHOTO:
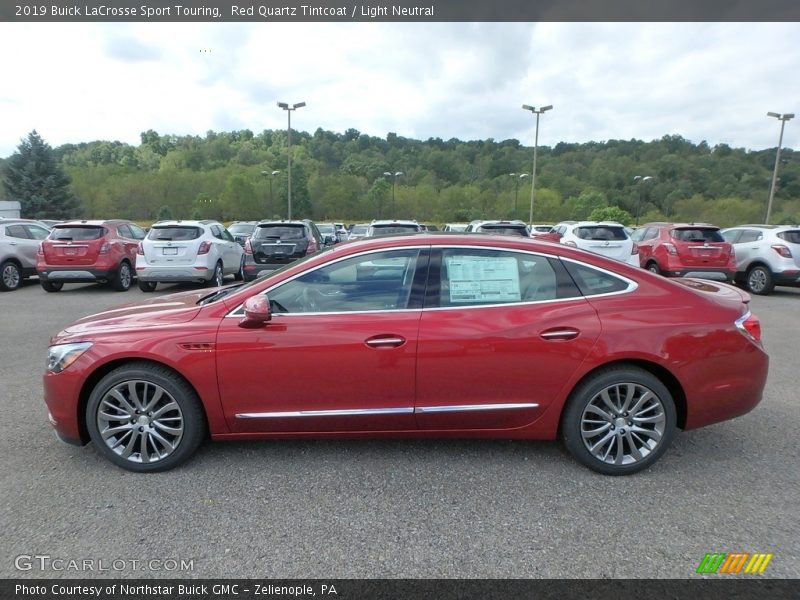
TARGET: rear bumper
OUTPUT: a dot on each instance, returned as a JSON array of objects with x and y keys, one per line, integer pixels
[
  {"x": 84, "y": 274},
  {"x": 716, "y": 274},
  {"x": 176, "y": 274}
]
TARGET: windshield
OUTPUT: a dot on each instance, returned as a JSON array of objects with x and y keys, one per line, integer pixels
[
  {"x": 240, "y": 228},
  {"x": 359, "y": 229},
  {"x": 324, "y": 228},
  {"x": 504, "y": 230},
  {"x": 390, "y": 229}
]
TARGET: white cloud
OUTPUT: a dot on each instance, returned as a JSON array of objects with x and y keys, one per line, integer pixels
[{"x": 714, "y": 82}]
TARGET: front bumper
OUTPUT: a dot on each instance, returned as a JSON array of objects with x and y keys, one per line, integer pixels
[{"x": 61, "y": 394}]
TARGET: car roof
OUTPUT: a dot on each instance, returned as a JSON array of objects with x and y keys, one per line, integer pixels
[
  {"x": 91, "y": 222},
  {"x": 394, "y": 222},
  {"x": 281, "y": 222},
  {"x": 189, "y": 223}
]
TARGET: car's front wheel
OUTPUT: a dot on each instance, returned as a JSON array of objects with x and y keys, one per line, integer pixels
[
  {"x": 145, "y": 418},
  {"x": 10, "y": 276},
  {"x": 239, "y": 276},
  {"x": 619, "y": 421},
  {"x": 759, "y": 280}
]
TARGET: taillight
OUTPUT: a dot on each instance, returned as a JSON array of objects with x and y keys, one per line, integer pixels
[
  {"x": 782, "y": 250},
  {"x": 140, "y": 249},
  {"x": 248, "y": 248},
  {"x": 105, "y": 248},
  {"x": 749, "y": 326},
  {"x": 671, "y": 249},
  {"x": 312, "y": 246},
  {"x": 634, "y": 249},
  {"x": 204, "y": 248},
  {"x": 40, "y": 251}
]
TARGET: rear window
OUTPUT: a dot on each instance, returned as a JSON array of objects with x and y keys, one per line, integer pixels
[
  {"x": 325, "y": 228},
  {"x": 694, "y": 234},
  {"x": 78, "y": 233},
  {"x": 239, "y": 228},
  {"x": 359, "y": 229},
  {"x": 390, "y": 229},
  {"x": 600, "y": 232},
  {"x": 792, "y": 236},
  {"x": 504, "y": 230},
  {"x": 281, "y": 232},
  {"x": 174, "y": 234}
]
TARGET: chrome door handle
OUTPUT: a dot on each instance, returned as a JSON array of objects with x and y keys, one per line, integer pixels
[
  {"x": 563, "y": 333},
  {"x": 385, "y": 341}
]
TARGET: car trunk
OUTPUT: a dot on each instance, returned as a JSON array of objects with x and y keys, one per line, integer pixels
[
  {"x": 74, "y": 245},
  {"x": 278, "y": 243},
  {"x": 172, "y": 245},
  {"x": 701, "y": 247}
]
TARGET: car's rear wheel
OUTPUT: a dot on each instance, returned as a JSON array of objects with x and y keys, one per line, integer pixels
[
  {"x": 124, "y": 277},
  {"x": 147, "y": 286},
  {"x": 218, "y": 278},
  {"x": 52, "y": 286},
  {"x": 10, "y": 276},
  {"x": 145, "y": 418},
  {"x": 619, "y": 421},
  {"x": 239, "y": 276},
  {"x": 652, "y": 266},
  {"x": 759, "y": 280}
]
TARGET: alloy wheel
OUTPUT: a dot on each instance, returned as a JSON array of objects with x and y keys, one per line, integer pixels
[{"x": 11, "y": 276}]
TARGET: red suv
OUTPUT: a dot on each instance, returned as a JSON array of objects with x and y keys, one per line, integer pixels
[
  {"x": 88, "y": 252},
  {"x": 685, "y": 250}
]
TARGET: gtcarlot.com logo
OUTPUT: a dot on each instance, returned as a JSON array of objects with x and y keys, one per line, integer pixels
[
  {"x": 735, "y": 562},
  {"x": 45, "y": 562}
]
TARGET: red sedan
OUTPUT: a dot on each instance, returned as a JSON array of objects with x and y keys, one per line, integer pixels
[{"x": 436, "y": 336}]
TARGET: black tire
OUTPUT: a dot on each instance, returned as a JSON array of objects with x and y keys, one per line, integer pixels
[
  {"x": 124, "y": 277},
  {"x": 239, "y": 275},
  {"x": 10, "y": 276},
  {"x": 52, "y": 286},
  {"x": 218, "y": 278},
  {"x": 145, "y": 441},
  {"x": 582, "y": 426},
  {"x": 653, "y": 267},
  {"x": 759, "y": 280},
  {"x": 147, "y": 286}
]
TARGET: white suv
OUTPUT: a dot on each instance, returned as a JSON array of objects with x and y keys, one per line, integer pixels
[
  {"x": 601, "y": 237},
  {"x": 766, "y": 256},
  {"x": 199, "y": 251}
]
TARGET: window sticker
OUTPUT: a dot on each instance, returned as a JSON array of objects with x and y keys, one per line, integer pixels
[{"x": 483, "y": 279}]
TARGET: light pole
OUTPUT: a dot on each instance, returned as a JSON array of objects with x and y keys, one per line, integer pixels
[
  {"x": 782, "y": 118},
  {"x": 517, "y": 177},
  {"x": 535, "y": 147},
  {"x": 394, "y": 177},
  {"x": 269, "y": 175},
  {"x": 641, "y": 180},
  {"x": 289, "y": 110}
]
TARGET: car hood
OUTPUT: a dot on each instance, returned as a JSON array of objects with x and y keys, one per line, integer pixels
[{"x": 163, "y": 310}]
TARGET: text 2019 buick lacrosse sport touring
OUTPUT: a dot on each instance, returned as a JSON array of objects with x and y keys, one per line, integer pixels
[{"x": 434, "y": 336}]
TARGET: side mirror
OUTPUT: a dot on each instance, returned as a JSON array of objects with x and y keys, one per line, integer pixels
[{"x": 256, "y": 312}]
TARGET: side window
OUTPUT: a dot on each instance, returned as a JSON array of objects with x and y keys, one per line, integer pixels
[
  {"x": 592, "y": 282},
  {"x": 731, "y": 236},
  {"x": 124, "y": 231},
  {"x": 377, "y": 281},
  {"x": 137, "y": 232},
  {"x": 750, "y": 235},
  {"x": 17, "y": 231},
  {"x": 37, "y": 233},
  {"x": 226, "y": 235},
  {"x": 478, "y": 277},
  {"x": 216, "y": 232},
  {"x": 651, "y": 233},
  {"x": 638, "y": 235}
]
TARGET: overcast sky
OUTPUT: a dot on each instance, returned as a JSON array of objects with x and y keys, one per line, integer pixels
[{"x": 78, "y": 82}]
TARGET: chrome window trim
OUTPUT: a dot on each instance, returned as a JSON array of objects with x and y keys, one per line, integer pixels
[
  {"x": 632, "y": 285},
  {"x": 473, "y": 407}
]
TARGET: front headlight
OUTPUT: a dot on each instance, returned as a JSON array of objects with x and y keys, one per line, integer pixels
[{"x": 61, "y": 356}]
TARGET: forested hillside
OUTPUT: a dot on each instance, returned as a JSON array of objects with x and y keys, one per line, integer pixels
[{"x": 229, "y": 176}]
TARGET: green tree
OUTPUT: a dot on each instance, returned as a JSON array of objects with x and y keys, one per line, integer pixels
[
  {"x": 164, "y": 213},
  {"x": 611, "y": 213},
  {"x": 34, "y": 178}
]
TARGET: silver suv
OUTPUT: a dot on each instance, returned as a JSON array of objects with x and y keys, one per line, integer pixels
[
  {"x": 199, "y": 251},
  {"x": 19, "y": 242},
  {"x": 766, "y": 256}
]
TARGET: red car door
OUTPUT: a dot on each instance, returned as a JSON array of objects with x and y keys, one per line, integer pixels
[
  {"x": 338, "y": 355},
  {"x": 505, "y": 333}
]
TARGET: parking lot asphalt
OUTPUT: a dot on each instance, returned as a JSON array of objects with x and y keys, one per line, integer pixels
[{"x": 391, "y": 508}]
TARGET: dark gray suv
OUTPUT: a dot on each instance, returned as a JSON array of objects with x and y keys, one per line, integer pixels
[{"x": 277, "y": 243}]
